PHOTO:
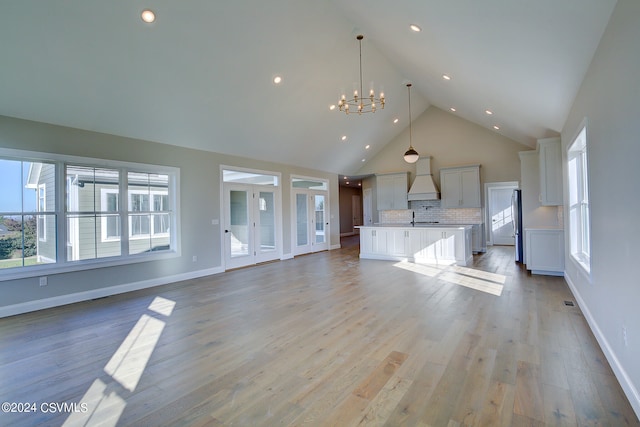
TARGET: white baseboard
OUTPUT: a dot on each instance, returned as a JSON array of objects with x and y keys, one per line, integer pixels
[
  {"x": 332, "y": 247},
  {"x": 286, "y": 256},
  {"x": 41, "y": 304},
  {"x": 625, "y": 382}
]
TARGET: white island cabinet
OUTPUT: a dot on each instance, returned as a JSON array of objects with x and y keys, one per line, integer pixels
[{"x": 427, "y": 244}]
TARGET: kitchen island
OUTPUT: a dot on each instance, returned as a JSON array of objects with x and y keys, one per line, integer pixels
[{"x": 421, "y": 243}]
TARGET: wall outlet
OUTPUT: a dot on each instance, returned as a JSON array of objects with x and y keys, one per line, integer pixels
[
  {"x": 43, "y": 281},
  {"x": 624, "y": 336},
  {"x": 194, "y": 258}
]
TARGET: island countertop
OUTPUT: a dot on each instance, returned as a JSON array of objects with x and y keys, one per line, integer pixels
[{"x": 417, "y": 225}]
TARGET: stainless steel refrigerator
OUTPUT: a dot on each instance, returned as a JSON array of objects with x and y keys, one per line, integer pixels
[{"x": 516, "y": 214}]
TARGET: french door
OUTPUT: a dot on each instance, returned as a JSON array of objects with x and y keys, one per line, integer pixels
[
  {"x": 250, "y": 224},
  {"x": 311, "y": 232}
]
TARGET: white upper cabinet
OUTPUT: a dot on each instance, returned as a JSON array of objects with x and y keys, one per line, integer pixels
[
  {"x": 392, "y": 191},
  {"x": 460, "y": 187},
  {"x": 550, "y": 154}
]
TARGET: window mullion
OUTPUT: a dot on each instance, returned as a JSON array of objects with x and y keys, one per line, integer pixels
[
  {"x": 61, "y": 212},
  {"x": 124, "y": 209}
]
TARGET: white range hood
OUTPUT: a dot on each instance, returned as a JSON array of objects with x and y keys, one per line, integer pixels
[{"x": 423, "y": 187}]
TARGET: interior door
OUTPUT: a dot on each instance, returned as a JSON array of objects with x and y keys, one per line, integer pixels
[
  {"x": 250, "y": 224},
  {"x": 311, "y": 232},
  {"x": 500, "y": 216},
  {"x": 238, "y": 233},
  {"x": 266, "y": 232},
  {"x": 320, "y": 222},
  {"x": 356, "y": 212}
]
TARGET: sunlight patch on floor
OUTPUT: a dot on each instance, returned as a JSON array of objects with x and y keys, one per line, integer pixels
[
  {"x": 128, "y": 362},
  {"x": 478, "y": 280},
  {"x": 425, "y": 270},
  {"x": 162, "y": 306},
  {"x": 105, "y": 402},
  {"x": 104, "y": 407},
  {"x": 472, "y": 283}
]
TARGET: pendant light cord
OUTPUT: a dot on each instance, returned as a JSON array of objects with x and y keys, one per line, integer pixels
[{"x": 410, "y": 141}]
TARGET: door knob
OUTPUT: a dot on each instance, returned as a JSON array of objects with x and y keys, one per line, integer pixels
[{"x": 226, "y": 231}]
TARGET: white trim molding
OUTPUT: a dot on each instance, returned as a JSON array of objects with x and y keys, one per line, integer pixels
[
  {"x": 630, "y": 391},
  {"x": 41, "y": 304}
]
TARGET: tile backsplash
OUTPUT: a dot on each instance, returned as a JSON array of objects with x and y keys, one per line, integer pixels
[{"x": 430, "y": 210}]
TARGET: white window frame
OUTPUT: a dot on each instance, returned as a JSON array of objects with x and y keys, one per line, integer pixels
[
  {"x": 42, "y": 207},
  {"x": 578, "y": 201},
  {"x": 62, "y": 265}
]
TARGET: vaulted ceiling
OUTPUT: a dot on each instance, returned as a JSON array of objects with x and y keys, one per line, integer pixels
[{"x": 201, "y": 75}]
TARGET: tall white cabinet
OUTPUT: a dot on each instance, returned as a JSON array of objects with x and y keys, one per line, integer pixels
[
  {"x": 392, "y": 190},
  {"x": 460, "y": 187},
  {"x": 550, "y": 157}
]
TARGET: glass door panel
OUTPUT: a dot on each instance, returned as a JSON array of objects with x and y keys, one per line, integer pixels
[
  {"x": 302, "y": 220},
  {"x": 320, "y": 228},
  {"x": 266, "y": 239},
  {"x": 239, "y": 223}
]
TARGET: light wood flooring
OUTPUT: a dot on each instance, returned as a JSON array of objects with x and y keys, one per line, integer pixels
[{"x": 319, "y": 340}]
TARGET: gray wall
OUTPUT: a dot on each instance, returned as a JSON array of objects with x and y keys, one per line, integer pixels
[
  {"x": 199, "y": 197},
  {"x": 451, "y": 141},
  {"x": 610, "y": 99}
]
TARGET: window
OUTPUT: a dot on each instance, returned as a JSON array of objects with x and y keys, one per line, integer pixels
[
  {"x": 87, "y": 211},
  {"x": 25, "y": 215},
  {"x": 149, "y": 211},
  {"x": 108, "y": 212},
  {"x": 579, "y": 227}
]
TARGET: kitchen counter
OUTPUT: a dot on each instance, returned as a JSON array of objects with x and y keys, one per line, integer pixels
[
  {"x": 417, "y": 225},
  {"x": 478, "y": 239},
  {"x": 441, "y": 244}
]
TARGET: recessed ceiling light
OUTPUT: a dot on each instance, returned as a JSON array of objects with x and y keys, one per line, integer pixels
[
  {"x": 415, "y": 28},
  {"x": 363, "y": 160},
  {"x": 496, "y": 127},
  {"x": 277, "y": 80},
  {"x": 359, "y": 184},
  {"x": 366, "y": 147},
  {"x": 148, "y": 16},
  {"x": 453, "y": 109},
  {"x": 347, "y": 182},
  {"x": 446, "y": 77},
  {"x": 345, "y": 177},
  {"x": 332, "y": 107},
  {"x": 395, "y": 120},
  {"x": 344, "y": 137},
  {"x": 488, "y": 112}
]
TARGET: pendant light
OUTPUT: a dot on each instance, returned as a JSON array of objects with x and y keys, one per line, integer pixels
[{"x": 411, "y": 155}]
